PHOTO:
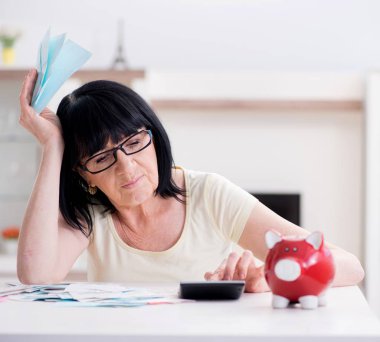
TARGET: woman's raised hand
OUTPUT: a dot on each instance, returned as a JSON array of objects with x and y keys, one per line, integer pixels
[
  {"x": 45, "y": 127},
  {"x": 242, "y": 267}
]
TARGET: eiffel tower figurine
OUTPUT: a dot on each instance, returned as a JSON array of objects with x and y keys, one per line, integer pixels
[{"x": 120, "y": 61}]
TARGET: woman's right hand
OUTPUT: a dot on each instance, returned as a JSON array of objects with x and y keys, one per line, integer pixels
[
  {"x": 242, "y": 267},
  {"x": 46, "y": 127}
]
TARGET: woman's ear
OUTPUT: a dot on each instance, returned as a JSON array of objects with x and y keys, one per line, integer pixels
[
  {"x": 81, "y": 173},
  {"x": 82, "y": 181}
]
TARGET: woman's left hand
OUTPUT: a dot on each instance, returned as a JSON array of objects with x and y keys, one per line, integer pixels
[{"x": 242, "y": 267}]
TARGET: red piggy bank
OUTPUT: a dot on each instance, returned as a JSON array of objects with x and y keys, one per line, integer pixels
[{"x": 298, "y": 270}]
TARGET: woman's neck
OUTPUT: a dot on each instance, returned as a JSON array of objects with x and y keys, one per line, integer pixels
[
  {"x": 142, "y": 217},
  {"x": 153, "y": 233}
]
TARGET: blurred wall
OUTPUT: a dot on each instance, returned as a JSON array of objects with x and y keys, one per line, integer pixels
[{"x": 209, "y": 34}]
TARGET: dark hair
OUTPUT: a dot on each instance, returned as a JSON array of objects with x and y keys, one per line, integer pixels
[{"x": 90, "y": 116}]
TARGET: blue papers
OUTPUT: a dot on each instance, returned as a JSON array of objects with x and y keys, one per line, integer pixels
[
  {"x": 58, "y": 59},
  {"x": 89, "y": 295}
]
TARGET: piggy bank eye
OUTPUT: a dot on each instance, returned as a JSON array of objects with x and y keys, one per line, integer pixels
[
  {"x": 286, "y": 249},
  {"x": 295, "y": 249}
]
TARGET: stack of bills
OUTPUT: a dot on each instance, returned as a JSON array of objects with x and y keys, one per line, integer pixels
[{"x": 88, "y": 294}]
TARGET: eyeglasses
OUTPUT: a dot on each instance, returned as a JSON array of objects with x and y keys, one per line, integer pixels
[{"x": 104, "y": 160}]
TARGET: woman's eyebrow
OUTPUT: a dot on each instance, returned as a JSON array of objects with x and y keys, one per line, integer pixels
[{"x": 106, "y": 149}]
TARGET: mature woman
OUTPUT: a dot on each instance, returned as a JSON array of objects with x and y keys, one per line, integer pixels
[{"x": 107, "y": 184}]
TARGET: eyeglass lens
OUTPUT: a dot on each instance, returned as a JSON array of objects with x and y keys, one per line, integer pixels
[{"x": 132, "y": 145}]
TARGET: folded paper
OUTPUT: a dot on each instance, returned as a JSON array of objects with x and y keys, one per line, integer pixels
[{"x": 58, "y": 59}]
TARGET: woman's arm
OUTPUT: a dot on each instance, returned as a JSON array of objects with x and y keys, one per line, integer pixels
[
  {"x": 348, "y": 268},
  {"x": 48, "y": 246}
]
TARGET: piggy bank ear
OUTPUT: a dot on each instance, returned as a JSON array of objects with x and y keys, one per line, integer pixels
[
  {"x": 315, "y": 239},
  {"x": 271, "y": 238}
]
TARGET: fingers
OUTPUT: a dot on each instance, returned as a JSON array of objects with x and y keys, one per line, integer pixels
[
  {"x": 255, "y": 281},
  {"x": 243, "y": 264},
  {"x": 218, "y": 273},
  {"x": 232, "y": 261},
  {"x": 27, "y": 112},
  {"x": 209, "y": 276},
  {"x": 32, "y": 82},
  {"x": 27, "y": 88},
  {"x": 241, "y": 268}
]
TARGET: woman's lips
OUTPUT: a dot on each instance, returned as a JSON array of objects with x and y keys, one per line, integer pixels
[{"x": 131, "y": 184}]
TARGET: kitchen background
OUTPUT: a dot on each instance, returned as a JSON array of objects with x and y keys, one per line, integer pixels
[{"x": 278, "y": 96}]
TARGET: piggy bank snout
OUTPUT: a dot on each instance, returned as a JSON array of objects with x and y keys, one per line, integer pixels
[{"x": 287, "y": 269}]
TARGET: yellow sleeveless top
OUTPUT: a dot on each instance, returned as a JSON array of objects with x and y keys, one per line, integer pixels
[{"x": 216, "y": 214}]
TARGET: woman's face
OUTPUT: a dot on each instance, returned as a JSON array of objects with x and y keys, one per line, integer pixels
[{"x": 131, "y": 181}]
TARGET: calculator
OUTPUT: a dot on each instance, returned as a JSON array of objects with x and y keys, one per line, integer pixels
[{"x": 211, "y": 290}]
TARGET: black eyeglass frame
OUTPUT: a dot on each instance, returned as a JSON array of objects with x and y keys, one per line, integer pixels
[{"x": 114, "y": 152}]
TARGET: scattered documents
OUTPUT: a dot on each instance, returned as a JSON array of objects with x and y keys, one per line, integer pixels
[
  {"x": 89, "y": 294},
  {"x": 58, "y": 58}
]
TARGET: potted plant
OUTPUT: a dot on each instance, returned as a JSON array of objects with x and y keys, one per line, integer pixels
[
  {"x": 8, "y": 38},
  {"x": 10, "y": 239}
]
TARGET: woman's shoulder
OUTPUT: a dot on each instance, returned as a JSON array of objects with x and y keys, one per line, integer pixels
[{"x": 203, "y": 179}]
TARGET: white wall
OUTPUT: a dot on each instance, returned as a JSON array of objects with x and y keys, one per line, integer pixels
[
  {"x": 318, "y": 155},
  {"x": 18, "y": 164},
  {"x": 213, "y": 34}
]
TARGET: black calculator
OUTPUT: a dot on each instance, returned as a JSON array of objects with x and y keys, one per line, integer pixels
[{"x": 211, "y": 290}]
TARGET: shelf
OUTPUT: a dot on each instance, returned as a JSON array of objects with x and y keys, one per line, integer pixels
[
  {"x": 122, "y": 76},
  {"x": 86, "y": 75},
  {"x": 229, "y": 104}
]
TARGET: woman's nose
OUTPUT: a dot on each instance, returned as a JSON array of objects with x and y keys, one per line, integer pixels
[{"x": 124, "y": 160}]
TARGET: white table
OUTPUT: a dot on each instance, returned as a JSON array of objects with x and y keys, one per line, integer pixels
[{"x": 347, "y": 317}]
